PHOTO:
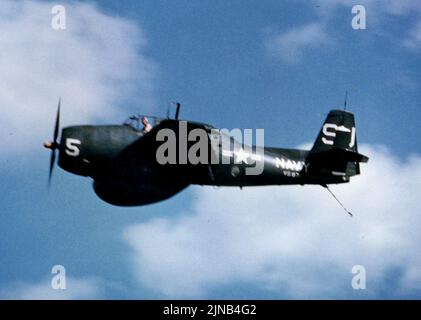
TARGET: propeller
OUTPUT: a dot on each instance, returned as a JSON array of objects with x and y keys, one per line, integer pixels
[{"x": 53, "y": 145}]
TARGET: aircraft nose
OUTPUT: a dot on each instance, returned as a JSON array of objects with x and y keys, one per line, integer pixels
[{"x": 73, "y": 149}]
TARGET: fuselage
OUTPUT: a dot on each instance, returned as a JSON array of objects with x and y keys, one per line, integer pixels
[{"x": 122, "y": 161}]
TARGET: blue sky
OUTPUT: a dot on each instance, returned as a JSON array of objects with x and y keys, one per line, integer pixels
[{"x": 234, "y": 64}]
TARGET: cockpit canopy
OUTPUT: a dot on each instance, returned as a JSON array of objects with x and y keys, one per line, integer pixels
[
  {"x": 137, "y": 122},
  {"x": 143, "y": 123}
]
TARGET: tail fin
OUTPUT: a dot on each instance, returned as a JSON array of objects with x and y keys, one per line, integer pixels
[
  {"x": 338, "y": 131},
  {"x": 335, "y": 151}
]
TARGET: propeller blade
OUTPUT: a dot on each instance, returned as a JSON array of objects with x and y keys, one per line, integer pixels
[
  {"x": 54, "y": 144},
  {"x": 52, "y": 161},
  {"x": 57, "y": 122}
]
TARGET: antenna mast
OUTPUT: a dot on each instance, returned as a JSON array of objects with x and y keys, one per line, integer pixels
[{"x": 346, "y": 100}]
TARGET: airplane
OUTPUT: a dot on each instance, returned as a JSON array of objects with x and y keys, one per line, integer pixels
[{"x": 121, "y": 159}]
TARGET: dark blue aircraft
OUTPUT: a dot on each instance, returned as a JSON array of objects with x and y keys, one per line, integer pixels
[{"x": 122, "y": 159}]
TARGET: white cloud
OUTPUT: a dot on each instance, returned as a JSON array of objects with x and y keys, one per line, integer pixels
[
  {"x": 76, "y": 288},
  {"x": 375, "y": 7},
  {"x": 379, "y": 13},
  {"x": 96, "y": 65},
  {"x": 291, "y": 45},
  {"x": 413, "y": 40},
  {"x": 290, "y": 241}
]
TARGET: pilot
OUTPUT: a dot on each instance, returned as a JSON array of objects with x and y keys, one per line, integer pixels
[{"x": 146, "y": 125}]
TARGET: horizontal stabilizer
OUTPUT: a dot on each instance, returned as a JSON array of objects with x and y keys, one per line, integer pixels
[{"x": 338, "y": 154}]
